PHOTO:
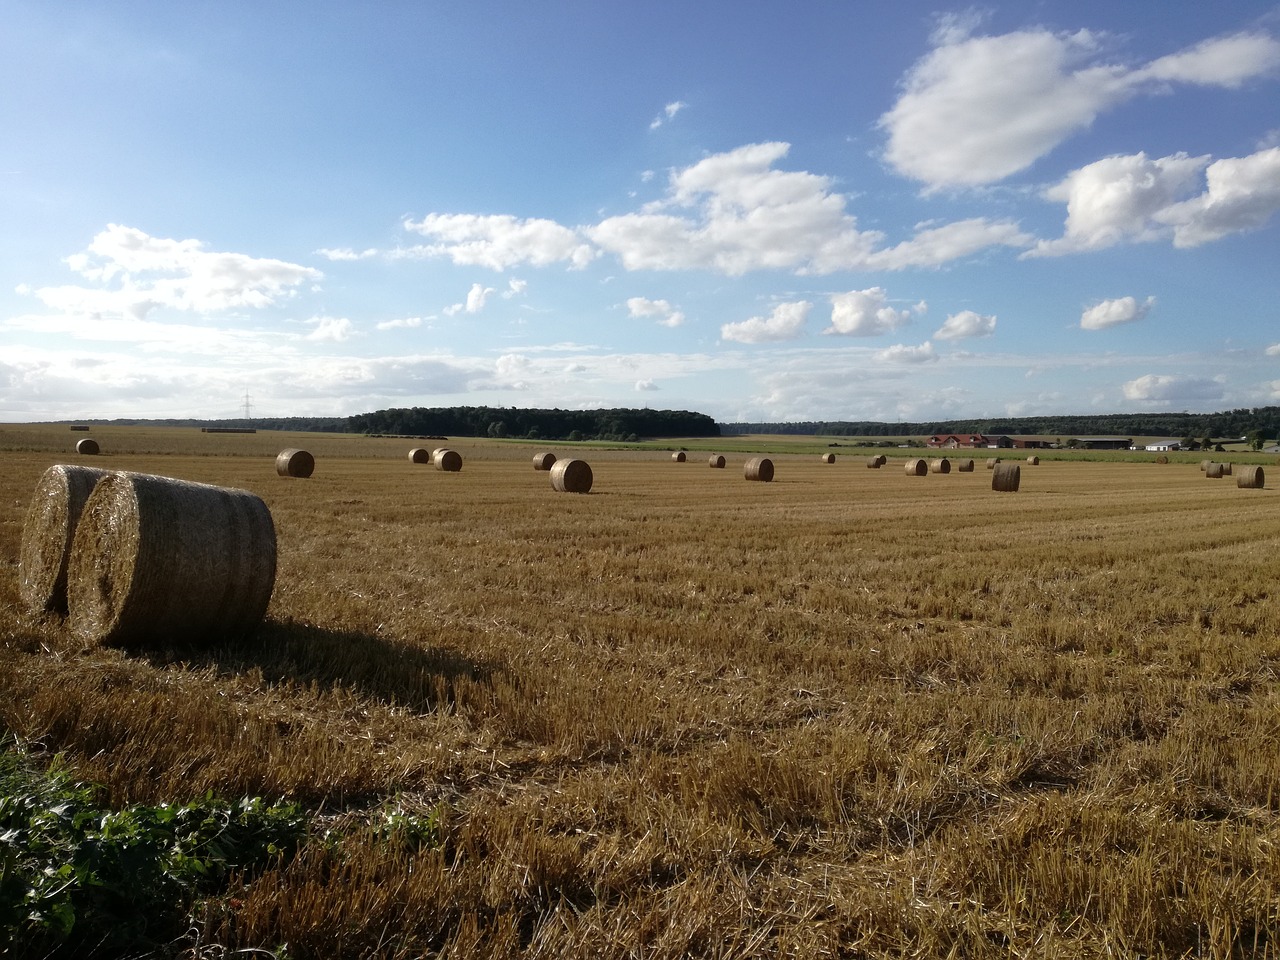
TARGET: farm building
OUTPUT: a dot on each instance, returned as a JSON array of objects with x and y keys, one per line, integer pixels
[
  {"x": 956, "y": 441},
  {"x": 1163, "y": 446},
  {"x": 1103, "y": 443}
]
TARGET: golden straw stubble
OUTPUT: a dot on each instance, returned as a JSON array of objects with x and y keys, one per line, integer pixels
[
  {"x": 54, "y": 511},
  {"x": 157, "y": 560}
]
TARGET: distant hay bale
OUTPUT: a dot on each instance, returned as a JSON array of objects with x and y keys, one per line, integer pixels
[
  {"x": 1162, "y": 459},
  {"x": 964, "y": 466},
  {"x": 759, "y": 468},
  {"x": 1006, "y": 477},
  {"x": 54, "y": 511},
  {"x": 1226, "y": 468},
  {"x": 571, "y": 476},
  {"x": 295, "y": 463},
  {"x": 87, "y": 447},
  {"x": 157, "y": 560},
  {"x": 716, "y": 461},
  {"x": 1250, "y": 478},
  {"x": 678, "y": 456},
  {"x": 419, "y": 455},
  {"x": 1033, "y": 461},
  {"x": 450, "y": 461},
  {"x": 915, "y": 467},
  {"x": 875, "y": 463},
  {"x": 544, "y": 461},
  {"x": 828, "y": 458},
  {"x": 991, "y": 463},
  {"x": 942, "y": 465},
  {"x": 1204, "y": 465},
  {"x": 1214, "y": 471}
]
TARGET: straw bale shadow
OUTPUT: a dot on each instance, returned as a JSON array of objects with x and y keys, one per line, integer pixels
[{"x": 391, "y": 671}]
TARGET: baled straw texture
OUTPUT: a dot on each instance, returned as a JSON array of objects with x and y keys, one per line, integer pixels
[
  {"x": 915, "y": 468},
  {"x": 295, "y": 463},
  {"x": 56, "y": 505},
  {"x": 1226, "y": 468},
  {"x": 450, "y": 461},
  {"x": 544, "y": 461},
  {"x": 1250, "y": 478},
  {"x": 1006, "y": 477},
  {"x": 157, "y": 560},
  {"x": 87, "y": 447},
  {"x": 678, "y": 456},
  {"x": 964, "y": 466},
  {"x": 1214, "y": 471},
  {"x": 419, "y": 455},
  {"x": 1204, "y": 464},
  {"x": 1033, "y": 461},
  {"x": 991, "y": 463},
  {"x": 828, "y": 458},
  {"x": 571, "y": 476},
  {"x": 942, "y": 465},
  {"x": 716, "y": 461},
  {"x": 759, "y": 468},
  {"x": 873, "y": 463}
]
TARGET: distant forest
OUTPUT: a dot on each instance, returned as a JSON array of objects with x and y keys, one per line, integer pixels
[
  {"x": 1264, "y": 421},
  {"x": 617, "y": 425}
]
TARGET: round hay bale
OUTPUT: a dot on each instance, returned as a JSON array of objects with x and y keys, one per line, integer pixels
[
  {"x": 1226, "y": 468},
  {"x": 1006, "y": 477},
  {"x": 295, "y": 463},
  {"x": 450, "y": 461},
  {"x": 1250, "y": 478},
  {"x": 571, "y": 476},
  {"x": 1213, "y": 471},
  {"x": 828, "y": 458},
  {"x": 87, "y": 447},
  {"x": 1204, "y": 465},
  {"x": 716, "y": 461},
  {"x": 419, "y": 455},
  {"x": 54, "y": 511},
  {"x": 991, "y": 462},
  {"x": 678, "y": 456},
  {"x": 1033, "y": 461},
  {"x": 1162, "y": 459},
  {"x": 157, "y": 560},
  {"x": 759, "y": 468},
  {"x": 940, "y": 466},
  {"x": 915, "y": 467},
  {"x": 964, "y": 466},
  {"x": 543, "y": 461},
  {"x": 875, "y": 463}
]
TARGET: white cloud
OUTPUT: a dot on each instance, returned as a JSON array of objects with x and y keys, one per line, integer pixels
[
  {"x": 1160, "y": 388},
  {"x": 399, "y": 323},
  {"x": 1242, "y": 194},
  {"x": 786, "y": 322},
  {"x": 1109, "y": 313},
  {"x": 662, "y": 311},
  {"x": 864, "y": 313},
  {"x": 668, "y": 113},
  {"x": 902, "y": 353},
  {"x": 515, "y": 288},
  {"x": 498, "y": 242},
  {"x": 138, "y": 273},
  {"x": 977, "y": 109},
  {"x": 934, "y": 246},
  {"x": 1273, "y": 350},
  {"x": 645, "y": 385},
  {"x": 965, "y": 324},
  {"x": 477, "y": 297},
  {"x": 335, "y": 329},
  {"x": 346, "y": 253}
]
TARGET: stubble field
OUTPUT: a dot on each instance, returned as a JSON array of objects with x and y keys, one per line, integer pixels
[{"x": 848, "y": 713}]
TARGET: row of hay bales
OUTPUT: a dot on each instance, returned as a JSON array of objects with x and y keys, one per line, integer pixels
[
  {"x": 136, "y": 559},
  {"x": 1249, "y": 477}
]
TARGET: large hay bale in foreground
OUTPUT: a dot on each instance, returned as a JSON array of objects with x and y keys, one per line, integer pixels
[
  {"x": 1006, "y": 477},
  {"x": 295, "y": 463},
  {"x": 450, "y": 461},
  {"x": 55, "y": 508},
  {"x": 759, "y": 468},
  {"x": 1250, "y": 478},
  {"x": 716, "y": 461},
  {"x": 87, "y": 447},
  {"x": 828, "y": 458},
  {"x": 544, "y": 461},
  {"x": 1214, "y": 471},
  {"x": 678, "y": 456},
  {"x": 571, "y": 476},
  {"x": 158, "y": 561},
  {"x": 942, "y": 465},
  {"x": 419, "y": 455},
  {"x": 964, "y": 466},
  {"x": 915, "y": 467}
]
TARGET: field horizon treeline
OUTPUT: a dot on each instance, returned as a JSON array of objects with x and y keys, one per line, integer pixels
[{"x": 622, "y": 424}]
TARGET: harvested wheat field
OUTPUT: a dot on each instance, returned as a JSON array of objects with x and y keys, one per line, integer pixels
[{"x": 687, "y": 716}]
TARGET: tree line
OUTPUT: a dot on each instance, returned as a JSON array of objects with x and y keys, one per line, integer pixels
[{"x": 616, "y": 424}]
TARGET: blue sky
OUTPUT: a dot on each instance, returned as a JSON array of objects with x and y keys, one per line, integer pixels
[{"x": 756, "y": 210}]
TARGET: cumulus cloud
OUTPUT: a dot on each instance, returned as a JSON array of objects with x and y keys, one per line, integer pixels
[
  {"x": 977, "y": 109},
  {"x": 1161, "y": 388},
  {"x": 498, "y": 242},
  {"x": 965, "y": 324},
  {"x": 645, "y": 385},
  {"x": 864, "y": 313},
  {"x": 399, "y": 323},
  {"x": 1273, "y": 350},
  {"x": 515, "y": 288},
  {"x": 903, "y": 353},
  {"x": 137, "y": 273},
  {"x": 477, "y": 297},
  {"x": 1135, "y": 199},
  {"x": 346, "y": 253},
  {"x": 668, "y": 113},
  {"x": 786, "y": 322},
  {"x": 1109, "y": 313},
  {"x": 335, "y": 329},
  {"x": 660, "y": 310}
]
